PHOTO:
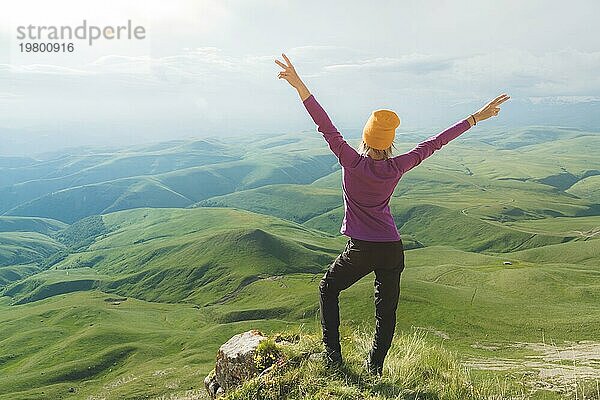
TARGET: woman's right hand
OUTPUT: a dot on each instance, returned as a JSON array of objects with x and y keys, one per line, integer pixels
[
  {"x": 289, "y": 72},
  {"x": 291, "y": 76},
  {"x": 491, "y": 109}
]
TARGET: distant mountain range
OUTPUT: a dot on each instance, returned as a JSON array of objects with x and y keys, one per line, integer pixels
[{"x": 582, "y": 112}]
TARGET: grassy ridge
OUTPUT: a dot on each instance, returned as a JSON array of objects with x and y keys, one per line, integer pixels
[
  {"x": 177, "y": 189},
  {"x": 584, "y": 227},
  {"x": 178, "y": 174},
  {"x": 582, "y": 252},
  {"x": 173, "y": 175},
  {"x": 44, "y": 226},
  {"x": 52, "y": 283},
  {"x": 432, "y": 225},
  {"x": 26, "y": 247},
  {"x": 180, "y": 254},
  {"x": 12, "y": 273},
  {"x": 62, "y": 171},
  {"x": 281, "y": 201},
  {"x": 588, "y": 188}
]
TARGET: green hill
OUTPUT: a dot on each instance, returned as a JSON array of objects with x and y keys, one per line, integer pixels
[
  {"x": 24, "y": 253},
  {"x": 432, "y": 225},
  {"x": 526, "y": 136},
  {"x": 181, "y": 173},
  {"x": 281, "y": 201},
  {"x": 178, "y": 188},
  {"x": 12, "y": 273},
  {"x": 44, "y": 226},
  {"x": 110, "y": 345},
  {"x": 26, "y": 247},
  {"x": 190, "y": 254},
  {"x": 62, "y": 171},
  {"x": 46, "y": 284},
  {"x": 587, "y": 188},
  {"x": 70, "y": 205},
  {"x": 580, "y": 252},
  {"x": 584, "y": 227},
  {"x": 106, "y": 345}
]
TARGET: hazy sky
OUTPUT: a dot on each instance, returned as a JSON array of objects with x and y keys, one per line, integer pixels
[{"x": 207, "y": 66}]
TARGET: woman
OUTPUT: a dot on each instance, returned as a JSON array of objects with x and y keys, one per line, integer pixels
[{"x": 369, "y": 177}]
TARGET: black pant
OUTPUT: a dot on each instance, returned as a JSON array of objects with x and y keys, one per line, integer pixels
[{"x": 358, "y": 259}]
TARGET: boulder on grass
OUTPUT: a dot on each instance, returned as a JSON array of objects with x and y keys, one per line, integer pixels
[{"x": 235, "y": 363}]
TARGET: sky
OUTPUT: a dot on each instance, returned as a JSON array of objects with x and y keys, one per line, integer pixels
[{"x": 206, "y": 67}]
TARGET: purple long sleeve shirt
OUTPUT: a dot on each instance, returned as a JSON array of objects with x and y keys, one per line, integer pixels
[{"x": 368, "y": 184}]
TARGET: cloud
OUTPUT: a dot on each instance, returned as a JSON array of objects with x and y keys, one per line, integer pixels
[
  {"x": 566, "y": 72},
  {"x": 564, "y": 99},
  {"x": 41, "y": 69},
  {"x": 197, "y": 84},
  {"x": 6, "y": 96},
  {"x": 410, "y": 63},
  {"x": 561, "y": 73},
  {"x": 557, "y": 73}
]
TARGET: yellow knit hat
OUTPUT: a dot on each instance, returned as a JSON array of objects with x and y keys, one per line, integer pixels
[{"x": 380, "y": 129}]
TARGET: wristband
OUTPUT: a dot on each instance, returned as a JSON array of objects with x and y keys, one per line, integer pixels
[{"x": 474, "y": 120}]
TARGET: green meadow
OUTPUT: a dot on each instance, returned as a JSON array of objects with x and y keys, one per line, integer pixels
[{"x": 122, "y": 270}]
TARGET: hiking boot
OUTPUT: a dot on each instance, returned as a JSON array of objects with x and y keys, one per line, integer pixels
[
  {"x": 372, "y": 367},
  {"x": 332, "y": 358}
]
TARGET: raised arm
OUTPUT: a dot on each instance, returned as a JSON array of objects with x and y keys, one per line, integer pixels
[
  {"x": 407, "y": 161},
  {"x": 346, "y": 154}
]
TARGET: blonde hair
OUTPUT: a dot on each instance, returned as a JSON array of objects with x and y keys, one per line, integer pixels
[{"x": 364, "y": 149}]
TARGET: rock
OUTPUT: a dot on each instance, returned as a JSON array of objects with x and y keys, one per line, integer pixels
[
  {"x": 235, "y": 359},
  {"x": 211, "y": 384},
  {"x": 235, "y": 363}
]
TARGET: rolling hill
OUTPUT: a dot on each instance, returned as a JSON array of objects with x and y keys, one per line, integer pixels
[
  {"x": 122, "y": 270},
  {"x": 179, "y": 255},
  {"x": 30, "y": 224},
  {"x": 178, "y": 188}
]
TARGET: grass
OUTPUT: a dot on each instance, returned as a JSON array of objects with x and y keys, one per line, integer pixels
[
  {"x": 142, "y": 338},
  {"x": 588, "y": 188},
  {"x": 44, "y": 226},
  {"x": 181, "y": 173},
  {"x": 471, "y": 297},
  {"x": 431, "y": 225},
  {"x": 415, "y": 368},
  {"x": 275, "y": 200},
  {"x": 190, "y": 254},
  {"x": 26, "y": 247},
  {"x": 95, "y": 165},
  {"x": 12, "y": 273},
  {"x": 584, "y": 227},
  {"x": 107, "y": 345}
]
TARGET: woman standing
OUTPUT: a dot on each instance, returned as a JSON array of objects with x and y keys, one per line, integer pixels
[{"x": 369, "y": 177}]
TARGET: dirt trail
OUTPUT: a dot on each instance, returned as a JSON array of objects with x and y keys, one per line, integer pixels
[
  {"x": 554, "y": 367},
  {"x": 589, "y": 234}
]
